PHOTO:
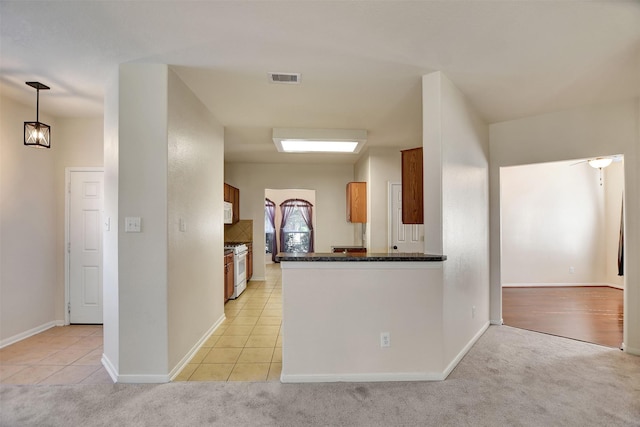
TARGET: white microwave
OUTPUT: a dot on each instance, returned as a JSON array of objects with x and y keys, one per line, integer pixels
[{"x": 228, "y": 213}]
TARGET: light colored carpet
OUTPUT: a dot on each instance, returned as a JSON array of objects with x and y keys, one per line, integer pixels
[{"x": 511, "y": 377}]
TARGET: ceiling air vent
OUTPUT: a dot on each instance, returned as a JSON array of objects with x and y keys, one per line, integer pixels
[{"x": 285, "y": 78}]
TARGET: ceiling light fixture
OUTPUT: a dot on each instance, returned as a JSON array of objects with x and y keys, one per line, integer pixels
[
  {"x": 601, "y": 162},
  {"x": 37, "y": 134},
  {"x": 319, "y": 140}
]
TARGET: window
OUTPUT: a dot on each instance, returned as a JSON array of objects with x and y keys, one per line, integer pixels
[{"x": 296, "y": 231}]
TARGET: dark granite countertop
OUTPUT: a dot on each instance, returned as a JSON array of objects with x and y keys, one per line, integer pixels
[{"x": 359, "y": 257}]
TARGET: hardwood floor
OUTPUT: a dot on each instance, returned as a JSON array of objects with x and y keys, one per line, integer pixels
[{"x": 592, "y": 314}]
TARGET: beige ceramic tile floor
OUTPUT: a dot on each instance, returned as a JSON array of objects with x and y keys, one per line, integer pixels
[
  {"x": 248, "y": 345},
  {"x": 60, "y": 355}
]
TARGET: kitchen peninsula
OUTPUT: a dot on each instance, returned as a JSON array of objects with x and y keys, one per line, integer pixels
[{"x": 362, "y": 317}]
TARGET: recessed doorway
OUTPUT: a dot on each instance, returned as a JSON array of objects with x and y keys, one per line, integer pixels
[{"x": 562, "y": 243}]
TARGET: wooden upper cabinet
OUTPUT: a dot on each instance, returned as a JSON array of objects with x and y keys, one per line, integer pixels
[
  {"x": 227, "y": 193},
  {"x": 235, "y": 199},
  {"x": 357, "y": 202},
  {"x": 412, "y": 187}
]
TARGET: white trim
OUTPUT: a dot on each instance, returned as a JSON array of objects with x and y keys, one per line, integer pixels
[
  {"x": 465, "y": 350},
  {"x": 390, "y": 185},
  {"x": 111, "y": 370},
  {"x": 631, "y": 350},
  {"x": 255, "y": 278},
  {"x": 143, "y": 379},
  {"x": 361, "y": 265},
  {"x": 187, "y": 357},
  {"x": 556, "y": 285},
  {"x": 31, "y": 332},
  {"x": 67, "y": 200},
  {"x": 386, "y": 376},
  {"x": 360, "y": 378}
]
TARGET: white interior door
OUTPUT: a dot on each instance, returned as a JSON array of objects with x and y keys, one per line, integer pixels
[
  {"x": 84, "y": 247},
  {"x": 404, "y": 237}
]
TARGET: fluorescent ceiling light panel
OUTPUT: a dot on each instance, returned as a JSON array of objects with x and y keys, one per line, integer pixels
[
  {"x": 319, "y": 140},
  {"x": 306, "y": 146}
]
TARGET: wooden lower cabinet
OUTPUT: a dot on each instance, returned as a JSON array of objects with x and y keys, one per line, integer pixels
[
  {"x": 249, "y": 261},
  {"x": 228, "y": 276}
]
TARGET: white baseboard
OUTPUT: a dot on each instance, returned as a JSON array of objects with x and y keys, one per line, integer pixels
[
  {"x": 111, "y": 370},
  {"x": 143, "y": 379},
  {"x": 556, "y": 285},
  {"x": 362, "y": 378},
  {"x": 187, "y": 358},
  {"x": 257, "y": 279},
  {"x": 31, "y": 332},
  {"x": 131, "y": 379},
  {"x": 631, "y": 350},
  {"x": 385, "y": 376},
  {"x": 464, "y": 351},
  {"x": 156, "y": 379}
]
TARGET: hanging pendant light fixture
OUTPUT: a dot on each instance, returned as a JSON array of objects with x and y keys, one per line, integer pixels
[{"x": 37, "y": 134}]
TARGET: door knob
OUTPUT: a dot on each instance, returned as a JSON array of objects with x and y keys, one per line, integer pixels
[{"x": 395, "y": 247}]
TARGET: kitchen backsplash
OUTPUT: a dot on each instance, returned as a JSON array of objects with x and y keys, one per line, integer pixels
[{"x": 241, "y": 231}]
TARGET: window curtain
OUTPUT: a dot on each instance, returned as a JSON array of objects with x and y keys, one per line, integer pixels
[
  {"x": 287, "y": 208},
  {"x": 270, "y": 212},
  {"x": 306, "y": 210},
  {"x": 621, "y": 243}
]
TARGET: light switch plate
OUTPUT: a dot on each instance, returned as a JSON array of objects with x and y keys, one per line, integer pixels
[{"x": 132, "y": 224}]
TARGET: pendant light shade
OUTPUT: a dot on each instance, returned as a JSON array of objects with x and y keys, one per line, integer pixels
[{"x": 37, "y": 134}]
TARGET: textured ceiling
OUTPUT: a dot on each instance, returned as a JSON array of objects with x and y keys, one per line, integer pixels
[{"x": 361, "y": 62}]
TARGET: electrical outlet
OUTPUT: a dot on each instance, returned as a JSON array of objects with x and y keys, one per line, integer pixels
[
  {"x": 473, "y": 312},
  {"x": 385, "y": 339},
  {"x": 572, "y": 270}
]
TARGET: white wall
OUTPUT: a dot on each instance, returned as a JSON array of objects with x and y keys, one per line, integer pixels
[
  {"x": 329, "y": 182},
  {"x": 142, "y": 192},
  {"x": 28, "y": 261},
  {"x": 110, "y": 293},
  {"x": 32, "y": 184},
  {"x": 573, "y": 134},
  {"x": 337, "y": 336},
  {"x": 362, "y": 173},
  {"x": 459, "y": 138},
  {"x": 386, "y": 166},
  {"x": 614, "y": 190},
  {"x": 278, "y": 197},
  {"x": 377, "y": 167},
  {"x": 166, "y": 162},
  {"x": 552, "y": 222},
  {"x": 80, "y": 144},
  {"x": 195, "y": 195}
]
